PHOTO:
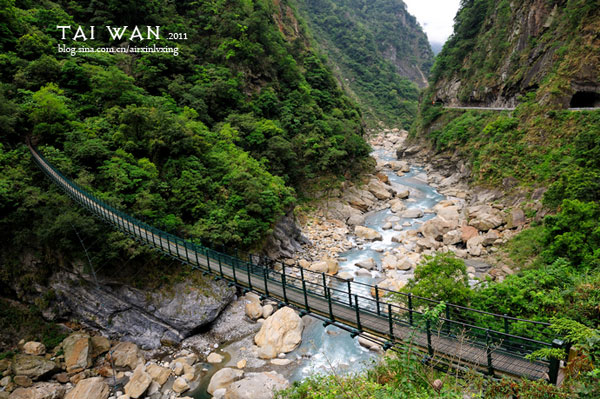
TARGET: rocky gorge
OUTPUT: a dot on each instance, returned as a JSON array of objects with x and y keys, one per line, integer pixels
[
  {"x": 198, "y": 339},
  {"x": 415, "y": 203}
]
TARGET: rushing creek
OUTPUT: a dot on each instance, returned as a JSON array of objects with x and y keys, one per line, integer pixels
[{"x": 327, "y": 349}]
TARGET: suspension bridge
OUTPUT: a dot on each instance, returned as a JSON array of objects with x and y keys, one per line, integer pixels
[{"x": 461, "y": 337}]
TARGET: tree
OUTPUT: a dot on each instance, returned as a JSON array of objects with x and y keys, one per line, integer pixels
[{"x": 442, "y": 277}]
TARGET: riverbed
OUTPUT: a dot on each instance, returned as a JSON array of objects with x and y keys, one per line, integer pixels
[{"x": 327, "y": 349}]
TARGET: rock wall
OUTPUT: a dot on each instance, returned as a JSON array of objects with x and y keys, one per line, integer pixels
[
  {"x": 286, "y": 239},
  {"x": 514, "y": 48},
  {"x": 147, "y": 318}
]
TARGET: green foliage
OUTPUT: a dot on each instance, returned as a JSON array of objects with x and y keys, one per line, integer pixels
[
  {"x": 574, "y": 233},
  {"x": 580, "y": 336},
  {"x": 210, "y": 144},
  {"x": 525, "y": 389},
  {"x": 361, "y": 40},
  {"x": 531, "y": 292},
  {"x": 398, "y": 375},
  {"x": 402, "y": 375},
  {"x": 442, "y": 277},
  {"x": 27, "y": 323}
]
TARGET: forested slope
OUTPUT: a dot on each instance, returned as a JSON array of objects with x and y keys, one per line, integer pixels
[
  {"x": 379, "y": 53},
  {"x": 537, "y": 55},
  {"x": 210, "y": 144}
]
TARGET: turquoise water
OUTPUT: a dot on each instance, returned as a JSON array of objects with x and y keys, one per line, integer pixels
[{"x": 422, "y": 196}]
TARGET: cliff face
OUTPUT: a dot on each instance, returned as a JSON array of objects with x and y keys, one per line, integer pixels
[
  {"x": 377, "y": 49},
  {"x": 540, "y": 56},
  {"x": 501, "y": 50}
]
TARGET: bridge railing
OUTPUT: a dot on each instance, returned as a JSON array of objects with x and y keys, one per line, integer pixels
[{"x": 392, "y": 309}]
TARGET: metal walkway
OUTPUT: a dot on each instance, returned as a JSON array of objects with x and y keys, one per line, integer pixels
[{"x": 464, "y": 338}]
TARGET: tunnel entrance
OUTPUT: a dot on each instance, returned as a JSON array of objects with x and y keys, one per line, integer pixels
[{"x": 585, "y": 99}]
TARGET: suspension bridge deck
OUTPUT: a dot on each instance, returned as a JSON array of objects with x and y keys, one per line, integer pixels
[{"x": 454, "y": 341}]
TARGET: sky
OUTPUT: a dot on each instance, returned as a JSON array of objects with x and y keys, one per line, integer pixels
[{"x": 435, "y": 16}]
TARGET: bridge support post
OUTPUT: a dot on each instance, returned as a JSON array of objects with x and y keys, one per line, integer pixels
[
  {"x": 391, "y": 322},
  {"x": 176, "y": 244},
  {"x": 207, "y": 258},
  {"x": 429, "y": 347},
  {"x": 153, "y": 237},
  {"x": 187, "y": 254},
  {"x": 283, "y": 285},
  {"x": 265, "y": 279},
  {"x": 324, "y": 284},
  {"x": 447, "y": 320},
  {"x": 221, "y": 269},
  {"x": 410, "y": 309},
  {"x": 349, "y": 293},
  {"x": 506, "y": 328},
  {"x": 377, "y": 300},
  {"x": 554, "y": 366},
  {"x": 331, "y": 317},
  {"x": 249, "y": 276},
  {"x": 304, "y": 289},
  {"x": 358, "y": 325},
  {"x": 233, "y": 268},
  {"x": 197, "y": 261},
  {"x": 488, "y": 352},
  {"x": 168, "y": 243}
]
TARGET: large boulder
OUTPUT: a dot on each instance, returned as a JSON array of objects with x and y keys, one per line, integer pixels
[
  {"x": 436, "y": 228},
  {"x": 341, "y": 211},
  {"x": 474, "y": 246},
  {"x": 368, "y": 264},
  {"x": 452, "y": 237},
  {"x": 449, "y": 213},
  {"x": 34, "y": 348},
  {"x": 333, "y": 266},
  {"x": 468, "y": 232},
  {"x": 355, "y": 220},
  {"x": 516, "y": 218},
  {"x": 397, "y": 206},
  {"x": 282, "y": 331},
  {"x": 90, "y": 388},
  {"x": 148, "y": 318},
  {"x": 100, "y": 345},
  {"x": 78, "y": 352},
  {"x": 126, "y": 354},
  {"x": 358, "y": 201},
  {"x": 490, "y": 238},
  {"x": 484, "y": 217},
  {"x": 327, "y": 265},
  {"x": 41, "y": 390},
  {"x": 138, "y": 383},
  {"x": 158, "y": 373},
  {"x": 319, "y": 267},
  {"x": 389, "y": 262},
  {"x": 428, "y": 243},
  {"x": 33, "y": 367},
  {"x": 406, "y": 151},
  {"x": 257, "y": 386},
  {"x": 222, "y": 379},
  {"x": 379, "y": 190},
  {"x": 253, "y": 306},
  {"x": 180, "y": 385},
  {"x": 367, "y": 233},
  {"x": 214, "y": 358},
  {"x": 412, "y": 213},
  {"x": 402, "y": 194}
]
